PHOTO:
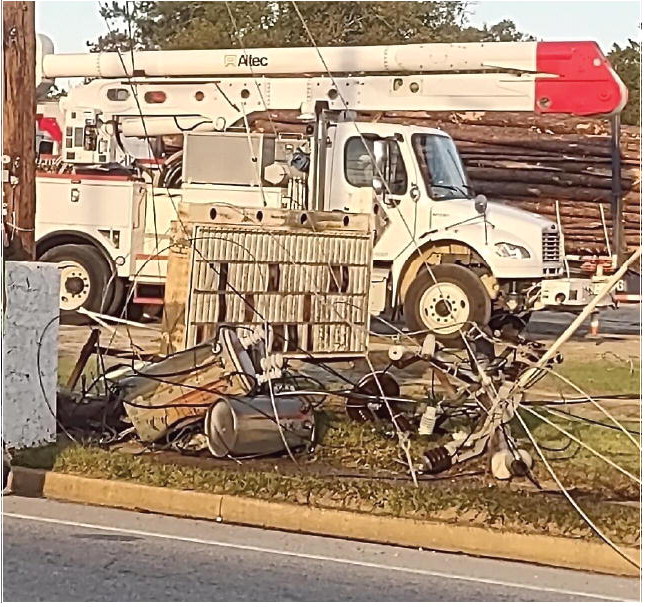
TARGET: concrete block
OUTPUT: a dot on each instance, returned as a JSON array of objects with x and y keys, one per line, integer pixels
[{"x": 29, "y": 350}]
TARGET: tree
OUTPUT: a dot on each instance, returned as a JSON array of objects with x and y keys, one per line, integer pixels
[
  {"x": 184, "y": 25},
  {"x": 627, "y": 63},
  {"x": 503, "y": 31}
]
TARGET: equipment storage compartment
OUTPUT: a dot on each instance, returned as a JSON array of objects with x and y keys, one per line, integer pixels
[
  {"x": 110, "y": 209},
  {"x": 227, "y": 158}
]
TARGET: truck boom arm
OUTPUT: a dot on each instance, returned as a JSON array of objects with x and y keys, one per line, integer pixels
[
  {"x": 172, "y": 106},
  {"x": 271, "y": 61},
  {"x": 562, "y": 77}
]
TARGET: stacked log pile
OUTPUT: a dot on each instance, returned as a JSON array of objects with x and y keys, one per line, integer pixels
[{"x": 543, "y": 164}]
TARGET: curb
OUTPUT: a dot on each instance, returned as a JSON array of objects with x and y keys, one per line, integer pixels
[{"x": 532, "y": 548}]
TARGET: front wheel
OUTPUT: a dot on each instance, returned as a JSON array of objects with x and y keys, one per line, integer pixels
[
  {"x": 446, "y": 303},
  {"x": 84, "y": 281}
]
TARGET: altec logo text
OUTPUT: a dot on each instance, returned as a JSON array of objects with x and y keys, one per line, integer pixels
[{"x": 245, "y": 60}]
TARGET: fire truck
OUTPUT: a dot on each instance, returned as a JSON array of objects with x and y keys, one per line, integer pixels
[{"x": 104, "y": 216}]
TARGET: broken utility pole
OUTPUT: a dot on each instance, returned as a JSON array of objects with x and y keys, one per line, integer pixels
[{"x": 19, "y": 129}]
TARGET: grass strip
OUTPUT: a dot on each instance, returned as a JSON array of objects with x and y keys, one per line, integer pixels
[{"x": 489, "y": 504}]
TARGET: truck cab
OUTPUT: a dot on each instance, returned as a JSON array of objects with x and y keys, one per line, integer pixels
[{"x": 430, "y": 216}]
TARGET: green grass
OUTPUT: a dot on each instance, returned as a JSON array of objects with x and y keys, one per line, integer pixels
[
  {"x": 496, "y": 505},
  {"x": 332, "y": 479},
  {"x": 595, "y": 376},
  {"x": 341, "y": 473},
  {"x": 578, "y": 467}
]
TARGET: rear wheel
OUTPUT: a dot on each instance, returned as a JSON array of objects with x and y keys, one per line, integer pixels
[
  {"x": 6, "y": 470},
  {"x": 116, "y": 307},
  {"x": 83, "y": 282},
  {"x": 446, "y": 303}
]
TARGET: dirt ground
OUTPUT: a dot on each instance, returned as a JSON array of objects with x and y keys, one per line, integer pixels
[{"x": 619, "y": 336}]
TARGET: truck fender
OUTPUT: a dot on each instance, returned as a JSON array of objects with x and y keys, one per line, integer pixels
[
  {"x": 406, "y": 267},
  {"x": 61, "y": 237}
]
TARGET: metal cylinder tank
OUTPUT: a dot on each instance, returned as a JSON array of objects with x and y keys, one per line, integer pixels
[{"x": 247, "y": 425}]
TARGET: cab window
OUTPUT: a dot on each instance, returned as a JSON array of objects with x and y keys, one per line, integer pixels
[{"x": 359, "y": 165}]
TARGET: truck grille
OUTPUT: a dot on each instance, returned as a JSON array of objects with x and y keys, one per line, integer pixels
[{"x": 551, "y": 247}]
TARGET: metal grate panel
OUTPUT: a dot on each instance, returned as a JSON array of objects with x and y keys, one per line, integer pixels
[{"x": 311, "y": 285}]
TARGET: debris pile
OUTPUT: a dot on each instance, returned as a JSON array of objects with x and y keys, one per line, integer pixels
[
  {"x": 214, "y": 396},
  {"x": 235, "y": 398}
]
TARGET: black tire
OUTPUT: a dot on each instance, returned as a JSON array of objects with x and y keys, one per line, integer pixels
[
  {"x": 170, "y": 175},
  {"x": 444, "y": 312},
  {"x": 87, "y": 284},
  {"x": 118, "y": 296}
]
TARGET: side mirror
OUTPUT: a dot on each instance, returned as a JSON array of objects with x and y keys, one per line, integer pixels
[
  {"x": 380, "y": 161},
  {"x": 481, "y": 203},
  {"x": 380, "y": 156}
]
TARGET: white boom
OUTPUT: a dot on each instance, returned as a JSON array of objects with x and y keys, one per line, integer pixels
[
  {"x": 172, "y": 106},
  {"x": 521, "y": 56},
  {"x": 563, "y": 77}
]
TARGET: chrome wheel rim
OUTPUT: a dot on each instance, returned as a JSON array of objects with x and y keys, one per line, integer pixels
[
  {"x": 74, "y": 285},
  {"x": 444, "y": 308}
]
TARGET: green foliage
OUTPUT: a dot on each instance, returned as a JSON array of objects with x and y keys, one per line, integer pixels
[
  {"x": 194, "y": 25},
  {"x": 627, "y": 63},
  {"x": 504, "y": 31}
]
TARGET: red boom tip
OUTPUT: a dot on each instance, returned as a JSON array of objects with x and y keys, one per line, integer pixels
[{"x": 583, "y": 81}]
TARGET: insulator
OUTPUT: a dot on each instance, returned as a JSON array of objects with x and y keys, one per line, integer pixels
[{"x": 438, "y": 460}]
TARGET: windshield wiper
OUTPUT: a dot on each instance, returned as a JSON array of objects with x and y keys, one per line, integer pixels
[{"x": 453, "y": 188}]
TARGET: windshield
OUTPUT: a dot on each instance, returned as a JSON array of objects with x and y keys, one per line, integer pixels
[{"x": 441, "y": 167}]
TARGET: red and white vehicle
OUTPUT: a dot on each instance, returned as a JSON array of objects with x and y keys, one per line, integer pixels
[{"x": 108, "y": 227}]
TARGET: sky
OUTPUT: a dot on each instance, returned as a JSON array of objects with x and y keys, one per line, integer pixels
[{"x": 71, "y": 23}]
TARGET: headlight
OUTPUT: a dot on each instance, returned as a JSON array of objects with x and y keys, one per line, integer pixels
[{"x": 507, "y": 249}]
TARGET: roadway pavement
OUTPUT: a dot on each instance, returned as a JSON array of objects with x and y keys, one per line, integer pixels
[
  {"x": 54, "y": 551},
  {"x": 624, "y": 320}
]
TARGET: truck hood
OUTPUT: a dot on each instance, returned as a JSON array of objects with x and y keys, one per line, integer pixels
[
  {"x": 459, "y": 220},
  {"x": 501, "y": 215},
  {"x": 502, "y": 210}
]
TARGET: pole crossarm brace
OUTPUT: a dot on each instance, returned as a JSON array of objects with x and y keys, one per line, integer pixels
[{"x": 506, "y": 402}]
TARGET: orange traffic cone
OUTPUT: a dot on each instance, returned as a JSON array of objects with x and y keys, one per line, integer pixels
[{"x": 594, "y": 327}]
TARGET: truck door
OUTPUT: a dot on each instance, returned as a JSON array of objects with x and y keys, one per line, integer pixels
[
  {"x": 353, "y": 171},
  {"x": 353, "y": 180}
]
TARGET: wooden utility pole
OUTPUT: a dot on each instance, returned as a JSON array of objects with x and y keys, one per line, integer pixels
[
  {"x": 19, "y": 128},
  {"x": 617, "y": 206}
]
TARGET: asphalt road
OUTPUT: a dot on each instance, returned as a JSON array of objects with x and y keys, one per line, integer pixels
[
  {"x": 625, "y": 320},
  {"x": 65, "y": 552}
]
